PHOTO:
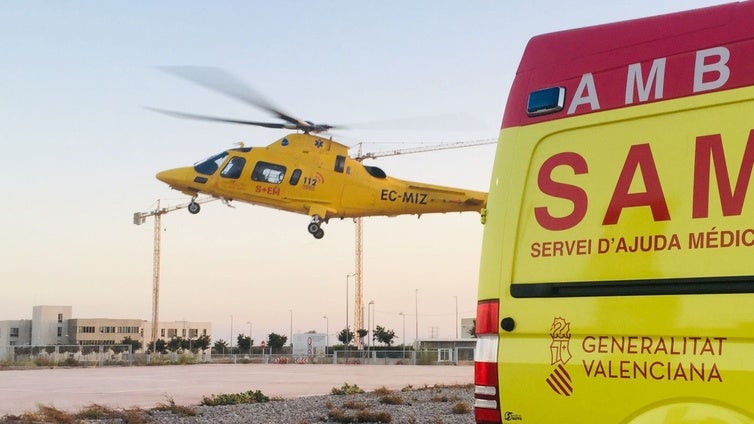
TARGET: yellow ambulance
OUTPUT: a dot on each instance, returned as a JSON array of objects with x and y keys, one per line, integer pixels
[{"x": 617, "y": 273}]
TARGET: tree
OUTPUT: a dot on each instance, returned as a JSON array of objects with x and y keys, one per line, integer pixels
[
  {"x": 383, "y": 335},
  {"x": 362, "y": 333},
  {"x": 276, "y": 341},
  {"x": 244, "y": 343},
  {"x": 472, "y": 330},
  {"x": 185, "y": 344},
  {"x": 345, "y": 336},
  {"x": 175, "y": 343},
  {"x": 220, "y": 347},
  {"x": 135, "y": 344},
  {"x": 161, "y": 346},
  {"x": 202, "y": 342}
]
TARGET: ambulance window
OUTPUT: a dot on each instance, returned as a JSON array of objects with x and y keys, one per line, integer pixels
[
  {"x": 268, "y": 173},
  {"x": 233, "y": 168},
  {"x": 340, "y": 163},
  {"x": 548, "y": 100},
  {"x": 295, "y": 175}
]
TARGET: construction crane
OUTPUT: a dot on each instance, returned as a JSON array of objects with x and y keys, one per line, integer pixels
[
  {"x": 141, "y": 218},
  {"x": 359, "y": 265}
]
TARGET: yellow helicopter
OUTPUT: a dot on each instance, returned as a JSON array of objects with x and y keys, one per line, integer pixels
[{"x": 302, "y": 172}]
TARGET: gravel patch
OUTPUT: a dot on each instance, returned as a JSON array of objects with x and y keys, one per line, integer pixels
[{"x": 434, "y": 405}]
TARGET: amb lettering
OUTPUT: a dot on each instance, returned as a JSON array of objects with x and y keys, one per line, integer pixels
[
  {"x": 709, "y": 159},
  {"x": 406, "y": 197},
  {"x": 710, "y": 72}
]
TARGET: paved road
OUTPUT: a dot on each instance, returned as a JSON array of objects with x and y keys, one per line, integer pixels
[{"x": 145, "y": 387}]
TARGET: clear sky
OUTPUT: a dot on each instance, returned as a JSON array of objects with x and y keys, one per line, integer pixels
[{"x": 79, "y": 152}]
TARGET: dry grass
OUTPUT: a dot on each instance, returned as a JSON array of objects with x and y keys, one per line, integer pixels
[{"x": 391, "y": 399}]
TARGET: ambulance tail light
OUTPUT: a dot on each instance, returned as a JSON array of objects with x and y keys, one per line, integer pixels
[{"x": 486, "y": 389}]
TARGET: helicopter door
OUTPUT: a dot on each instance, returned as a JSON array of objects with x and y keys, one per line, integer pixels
[
  {"x": 234, "y": 167},
  {"x": 231, "y": 173}
]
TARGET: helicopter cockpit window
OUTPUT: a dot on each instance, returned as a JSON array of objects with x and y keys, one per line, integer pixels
[
  {"x": 340, "y": 163},
  {"x": 234, "y": 167},
  {"x": 268, "y": 173},
  {"x": 375, "y": 172},
  {"x": 210, "y": 165}
]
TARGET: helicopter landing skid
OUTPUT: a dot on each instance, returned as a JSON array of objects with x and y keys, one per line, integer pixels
[
  {"x": 315, "y": 228},
  {"x": 194, "y": 207}
]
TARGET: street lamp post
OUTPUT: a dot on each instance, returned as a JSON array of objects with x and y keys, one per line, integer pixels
[
  {"x": 370, "y": 323},
  {"x": 250, "y": 339},
  {"x": 404, "y": 332},
  {"x": 291, "y": 330},
  {"x": 416, "y": 301},
  {"x": 347, "y": 331},
  {"x": 327, "y": 332},
  {"x": 456, "y": 297}
]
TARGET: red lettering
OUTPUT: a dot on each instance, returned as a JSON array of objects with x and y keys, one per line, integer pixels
[
  {"x": 639, "y": 158},
  {"x": 575, "y": 194},
  {"x": 709, "y": 150},
  {"x": 588, "y": 344}
]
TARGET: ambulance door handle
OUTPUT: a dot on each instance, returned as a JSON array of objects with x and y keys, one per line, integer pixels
[{"x": 508, "y": 324}]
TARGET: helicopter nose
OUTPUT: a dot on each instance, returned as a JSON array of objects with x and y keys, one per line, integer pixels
[{"x": 177, "y": 178}]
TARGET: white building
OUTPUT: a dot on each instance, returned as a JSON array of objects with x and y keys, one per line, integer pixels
[
  {"x": 15, "y": 332},
  {"x": 50, "y": 325},
  {"x": 467, "y": 324},
  {"x": 54, "y": 325}
]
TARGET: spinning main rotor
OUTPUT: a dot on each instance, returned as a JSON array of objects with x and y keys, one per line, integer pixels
[{"x": 220, "y": 81}]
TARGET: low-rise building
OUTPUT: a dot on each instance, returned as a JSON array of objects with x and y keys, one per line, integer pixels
[
  {"x": 104, "y": 331},
  {"x": 15, "y": 332},
  {"x": 54, "y": 325},
  {"x": 49, "y": 324}
]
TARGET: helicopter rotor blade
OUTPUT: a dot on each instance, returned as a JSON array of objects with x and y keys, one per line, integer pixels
[
  {"x": 219, "y": 119},
  {"x": 221, "y": 81}
]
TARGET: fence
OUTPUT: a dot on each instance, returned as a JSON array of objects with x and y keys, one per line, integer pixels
[
  {"x": 66, "y": 355},
  {"x": 120, "y": 355}
]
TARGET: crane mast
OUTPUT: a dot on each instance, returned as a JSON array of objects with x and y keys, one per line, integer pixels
[
  {"x": 359, "y": 293},
  {"x": 141, "y": 218},
  {"x": 156, "y": 276}
]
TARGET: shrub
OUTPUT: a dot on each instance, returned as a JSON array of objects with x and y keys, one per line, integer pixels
[
  {"x": 392, "y": 399},
  {"x": 347, "y": 389},
  {"x": 461, "y": 408},
  {"x": 353, "y": 404},
  {"x": 235, "y": 398},
  {"x": 181, "y": 411},
  {"x": 438, "y": 398},
  {"x": 363, "y": 416},
  {"x": 374, "y": 417},
  {"x": 95, "y": 412},
  {"x": 54, "y": 415},
  {"x": 70, "y": 362},
  {"x": 43, "y": 361},
  {"x": 383, "y": 391}
]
